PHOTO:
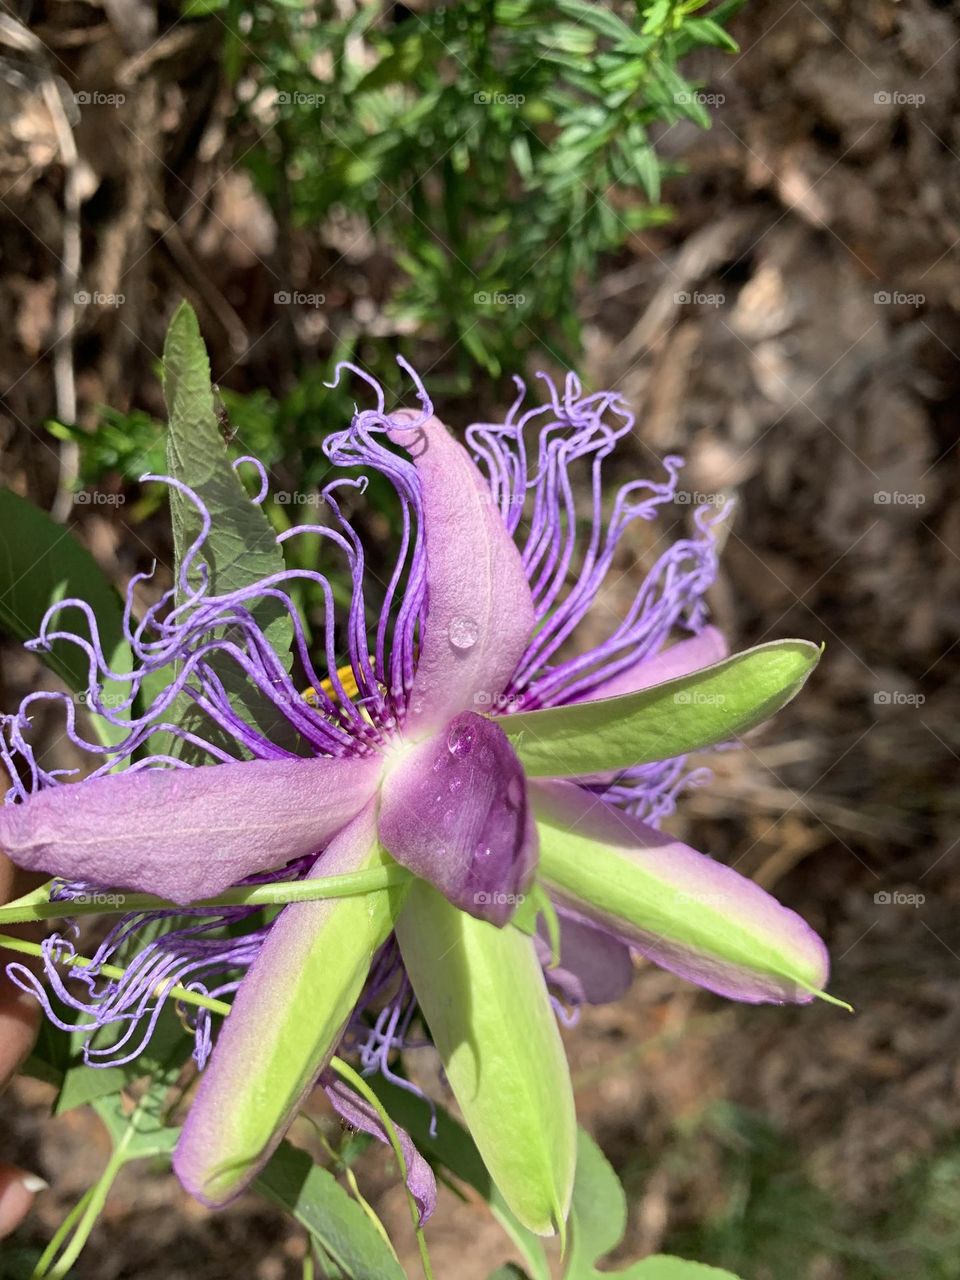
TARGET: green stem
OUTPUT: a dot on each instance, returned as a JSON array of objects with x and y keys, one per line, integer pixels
[
  {"x": 34, "y": 907},
  {"x": 92, "y": 1209},
  {"x": 66, "y": 1226},
  {"x": 9, "y": 943},
  {"x": 357, "y": 1082}
]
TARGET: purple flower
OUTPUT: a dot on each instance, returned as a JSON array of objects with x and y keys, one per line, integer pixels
[{"x": 403, "y": 751}]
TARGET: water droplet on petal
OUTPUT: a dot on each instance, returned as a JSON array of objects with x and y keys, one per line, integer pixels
[
  {"x": 514, "y": 793},
  {"x": 460, "y": 740},
  {"x": 463, "y": 632},
  {"x": 455, "y": 783}
]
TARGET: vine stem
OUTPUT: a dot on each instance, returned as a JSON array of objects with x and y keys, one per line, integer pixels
[{"x": 38, "y": 906}]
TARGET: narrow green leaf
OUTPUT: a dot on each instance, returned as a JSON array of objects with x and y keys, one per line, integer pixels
[
  {"x": 335, "y": 1221},
  {"x": 482, "y": 992},
  {"x": 40, "y": 563},
  {"x": 714, "y": 705}
]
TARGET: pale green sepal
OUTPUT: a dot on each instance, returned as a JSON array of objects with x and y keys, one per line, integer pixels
[
  {"x": 482, "y": 992},
  {"x": 690, "y": 914},
  {"x": 713, "y": 705},
  {"x": 285, "y": 1023}
]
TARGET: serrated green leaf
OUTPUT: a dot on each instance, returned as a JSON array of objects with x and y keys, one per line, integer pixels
[
  {"x": 714, "y": 705},
  {"x": 240, "y": 549},
  {"x": 40, "y": 563},
  {"x": 336, "y": 1222}
]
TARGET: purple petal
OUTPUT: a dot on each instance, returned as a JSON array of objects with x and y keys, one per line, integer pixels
[
  {"x": 187, "y": 834},
  {"x": 595, "y": 966},
  {"x": 601, "y": 845},
  {"x": 479, "y": 613},
  {"x": 677, "y": 660},
  {"x": 356, "y": 1111},
  {"x": 454, "y": 811}
]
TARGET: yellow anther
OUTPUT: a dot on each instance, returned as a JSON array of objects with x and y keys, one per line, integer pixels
[{"x": 348, "y": 681}]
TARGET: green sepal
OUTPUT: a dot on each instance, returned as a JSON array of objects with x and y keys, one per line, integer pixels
[
  {"x": 482, "y": 992},
  {"x": 713, "y": 705}
]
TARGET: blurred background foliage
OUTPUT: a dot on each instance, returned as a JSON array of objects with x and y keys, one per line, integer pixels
[{"x": 495, "y": 150}]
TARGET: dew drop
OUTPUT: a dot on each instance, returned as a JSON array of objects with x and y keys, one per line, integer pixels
[
  {"x": 463, "y": 632},
  {"x": 460, "y": 741},
  {"x": 514, "y": 793},
  {"x": 455, "y": 783}
]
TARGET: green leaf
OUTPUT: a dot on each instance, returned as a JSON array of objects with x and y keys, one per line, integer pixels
[
  {"x": 598, "y": 17},
  {"x": 662, "y": 1267},
  {"x": 40, "y": 563},
  {"x": 598, "y": 1219},
  {"x": 483, "y": 995},
  {"x": 452, "y": 1148},
  {"x": 335, "y": 1221},
  {"x": 80, "y": 1083},
  {"x": 714, "y": 705},
  {"x": 598, "y": 1212},
  {"x": 240, "y": 549},
  {"x": 140, "y": 1135}
]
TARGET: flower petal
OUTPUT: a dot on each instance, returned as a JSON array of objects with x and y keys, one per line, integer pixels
[
  {"x": 356, "y": 1111},
  {"x": 671, "y": 719},
  {"x": 187, "y": 834},
  {"x": 680, "y": 909},
  {"x": 595, "y": 966},
  {"x": 482, "y": 992},
  {"x": 286, "y": 1022},
  {"x": 454, "y": 811},
  {"x": 479, "y": 609},
  {"x": 680, "y": 659}
]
